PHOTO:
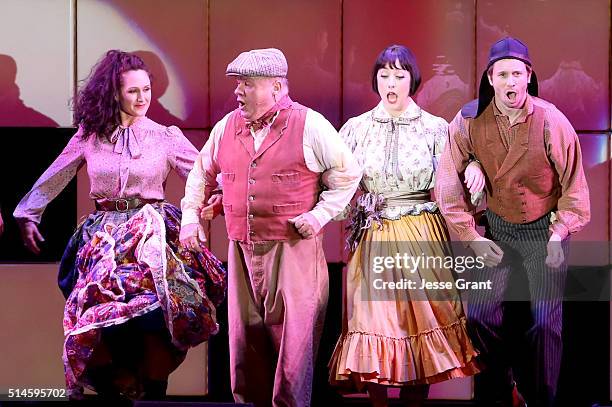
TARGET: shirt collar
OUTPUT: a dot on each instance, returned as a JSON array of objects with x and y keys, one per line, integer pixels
[
  {"x": 526, "y": 111},
  {"x": 268, "y": 118}
]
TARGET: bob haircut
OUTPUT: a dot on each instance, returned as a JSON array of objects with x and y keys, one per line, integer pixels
[
  {"x": 96, "y": 105},
  {"x": 397, "y": 53}
]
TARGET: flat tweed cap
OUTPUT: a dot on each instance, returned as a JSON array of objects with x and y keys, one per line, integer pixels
[{"x": 269, "y": 62}]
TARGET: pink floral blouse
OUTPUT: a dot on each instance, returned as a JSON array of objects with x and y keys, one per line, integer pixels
[{"x": 133, "y": 163}]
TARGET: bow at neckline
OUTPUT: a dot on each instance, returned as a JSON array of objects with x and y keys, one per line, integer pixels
[{"x": 125, "y": 139}]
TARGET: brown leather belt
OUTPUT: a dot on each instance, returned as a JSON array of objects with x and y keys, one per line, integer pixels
[{"x": 123, "y": 205}]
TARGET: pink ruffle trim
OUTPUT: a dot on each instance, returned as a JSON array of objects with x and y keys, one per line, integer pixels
[{"x": 429, "y": 357}]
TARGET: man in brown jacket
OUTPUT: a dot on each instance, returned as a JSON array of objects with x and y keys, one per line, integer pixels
[{"x": 537, "y": 196}]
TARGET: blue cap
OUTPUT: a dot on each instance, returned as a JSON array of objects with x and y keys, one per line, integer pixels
[{"x": 508, "y": 48}]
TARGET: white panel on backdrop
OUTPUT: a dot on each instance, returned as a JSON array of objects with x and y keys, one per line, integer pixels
[
  {"x": 593, "y": 247},
  {"x": 32, "y": 339},
  {"x": 31, "y": 321},
  {"x": 191, "y": 377},
  {"x": 171, "y": 38},
  {"x": 36, "y": 59}
]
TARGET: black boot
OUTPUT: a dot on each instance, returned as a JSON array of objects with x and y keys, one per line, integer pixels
[
  {"x": 102, "y": 381},
  {"x": 155, "y": 389}
]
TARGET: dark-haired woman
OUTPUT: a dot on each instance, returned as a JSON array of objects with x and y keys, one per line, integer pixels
[
  {"x": 399, "y": 335},
  {"x": 136, "y": 300}
]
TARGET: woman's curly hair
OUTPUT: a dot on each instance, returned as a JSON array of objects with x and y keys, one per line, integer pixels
[{"x": 96, "y": 105}]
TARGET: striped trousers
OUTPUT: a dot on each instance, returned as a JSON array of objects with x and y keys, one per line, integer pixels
[{"x": 524, "y": 247}]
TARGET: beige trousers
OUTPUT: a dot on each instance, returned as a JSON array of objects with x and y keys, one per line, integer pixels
[{"x": 277, "y": 296}]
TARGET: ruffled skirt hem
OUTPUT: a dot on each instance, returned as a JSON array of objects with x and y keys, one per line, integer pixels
[{"x": 429, "y": 357}]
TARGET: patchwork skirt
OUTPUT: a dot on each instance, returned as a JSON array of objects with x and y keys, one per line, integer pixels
[{"x": 125, "y": 271}]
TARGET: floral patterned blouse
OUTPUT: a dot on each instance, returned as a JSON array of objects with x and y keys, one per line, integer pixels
[
  {"x": 399, "y": 156},
  {"x": 133, "y": 163}
]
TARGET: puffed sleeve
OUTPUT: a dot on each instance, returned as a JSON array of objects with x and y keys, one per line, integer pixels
[
  {"x": 440, "y": 135},
  {"x": 182, "y": 153},
  {"x": 348, "y": 134},
  {"x": 202, "y": 179},
  {"x": 53, "y": 180}
]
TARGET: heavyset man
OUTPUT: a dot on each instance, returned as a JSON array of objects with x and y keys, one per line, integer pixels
[{"x": 271, "y": 152}]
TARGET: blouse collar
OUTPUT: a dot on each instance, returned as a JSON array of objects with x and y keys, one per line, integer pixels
[
  {"x": 127, "y": 137},
  {"x": 413, "y": 111}
]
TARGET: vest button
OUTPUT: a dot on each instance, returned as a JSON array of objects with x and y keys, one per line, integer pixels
[
  {"x": 251, "y": 216},
  {"x": 523, "y": 203},
  {"x": 253, "y": 164},
  {"x": 251, "y": 181},
  {"x": 251, "y": 233},
  {"x": 251, "y": 197}
]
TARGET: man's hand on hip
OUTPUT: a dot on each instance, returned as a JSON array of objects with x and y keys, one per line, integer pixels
[
  {"x": 307, "y": 225},
  {"x": 213, "y": 209}
]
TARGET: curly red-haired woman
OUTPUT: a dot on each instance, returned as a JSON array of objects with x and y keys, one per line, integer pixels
[{"x": 136, "y": 300}]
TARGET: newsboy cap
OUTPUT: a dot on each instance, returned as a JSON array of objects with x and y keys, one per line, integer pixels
[{"x": 269, "y": 62}]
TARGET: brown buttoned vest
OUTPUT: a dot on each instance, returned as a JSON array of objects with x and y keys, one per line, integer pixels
[{"x": 522, "y": 184}]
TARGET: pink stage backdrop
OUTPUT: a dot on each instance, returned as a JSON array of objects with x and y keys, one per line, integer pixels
[{"x": 49, "y": 46}]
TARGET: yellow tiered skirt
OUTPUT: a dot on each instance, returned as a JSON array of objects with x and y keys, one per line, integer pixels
[{"x": 401, "y": 337}]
